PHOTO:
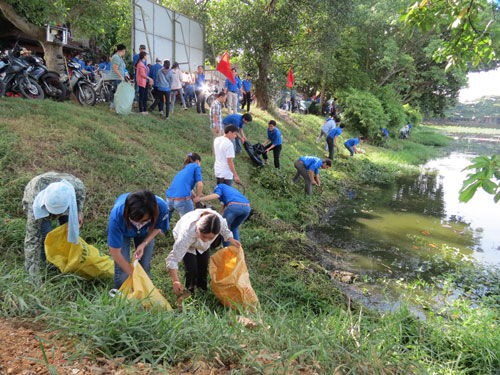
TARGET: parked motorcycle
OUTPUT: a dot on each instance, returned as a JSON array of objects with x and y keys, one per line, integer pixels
[
  {"x": 17, "y": 80},
  {"x": 49, "y": 80},
  {"x": 82, "y": 88}
]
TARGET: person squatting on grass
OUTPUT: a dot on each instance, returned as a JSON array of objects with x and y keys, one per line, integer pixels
[
  {"x": 47, "y": 197},
  {"x": 193, "y": 235},
  {"x": 350, "y": 144},
  {"x": 140, "y": 216},
  {"x": 274, "y": 142},
  {"x": 308, "y": 167},
  {"x": 239, "y": 121},
  {"x": 224, "y": 157},
  {"x": 331, "y": 140},
  {"x": 235, "y": 207},
  {"x": 180, "y": 195}
]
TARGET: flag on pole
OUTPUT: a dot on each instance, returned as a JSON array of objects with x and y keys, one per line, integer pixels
[
  {"x": 290, "y": 78},
  {"x": 225, "y": 67}
]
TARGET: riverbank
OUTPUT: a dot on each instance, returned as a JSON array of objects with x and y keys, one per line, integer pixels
[{"x": 307, "y": 324}]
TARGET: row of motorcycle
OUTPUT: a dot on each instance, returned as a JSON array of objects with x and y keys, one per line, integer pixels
[{"x": 28, "y": 77}]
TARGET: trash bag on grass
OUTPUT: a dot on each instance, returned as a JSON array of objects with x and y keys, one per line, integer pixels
[
  {"x": 124, "y": 98},
  {"x": 140, "y": 287},
  {"x": 82, "y": 258},
  {"x": 231, "y": 280}
]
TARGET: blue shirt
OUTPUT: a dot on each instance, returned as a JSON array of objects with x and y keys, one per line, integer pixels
[
  {"x": 247, "y": 85},
  {"x": 409, "y": 125},
  {"x": 229, "y": 194},
  {"x": 385, "y": 131},
  {"x": 189, "y": 91},
  {"x": 105, "y": 66},
  {"x": 312, "y": 163},
  {"x": 274, "y": 136},
  {"x": 231, "y": 86},
  {"x": 90, "y": 68},
  {"x": 153, "y": 71},
  {"x": 335, "y": 132},
  {"x": 184, "y": 181},
  {"x": 80, "y": 62},
  {"x": 117, "y": 226},
  {"x": 200, "y": 80},
  {"x": 352, "y": 142},
  {"x": 234, "y": 119}
]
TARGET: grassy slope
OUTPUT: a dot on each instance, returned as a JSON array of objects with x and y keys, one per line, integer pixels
[{"x": 309, "y": 320}]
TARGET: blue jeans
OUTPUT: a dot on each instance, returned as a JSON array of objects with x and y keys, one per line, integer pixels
[
  {"x": 115, "y": 84},
  {"x": 235, "y": 215},
  {"x": 121, "y": 275},
  {"x": 45, "y": 228},
  {"x": 182, "y": 206},
  {"x": 351, "y": 150},
  {"x": 237, "y": 145}
]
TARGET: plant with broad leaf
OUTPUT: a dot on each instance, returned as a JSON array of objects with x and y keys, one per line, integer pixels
[{"x": 487, "y": 176}]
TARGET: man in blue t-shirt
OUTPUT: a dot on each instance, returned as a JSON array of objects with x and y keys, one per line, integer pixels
[
  {"x": 239, "y": 121},
  {"x": 273, "y": 143},
  {"x": 232, "y": 90},
  {"x": 351, "y": 145},
  {"x": 331, "y": 139},
  {"x": 385, "y": 135},
  {"x": 308, "y": 167},
  {"x": 247, "y": 92}
]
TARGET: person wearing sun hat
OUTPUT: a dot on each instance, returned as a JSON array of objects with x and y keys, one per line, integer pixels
[{"x": 50, "y": 196}]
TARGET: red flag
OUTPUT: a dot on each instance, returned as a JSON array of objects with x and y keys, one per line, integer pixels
[
  {"x": 290, "y": 78},
  {"x": 225, "y": 67}
]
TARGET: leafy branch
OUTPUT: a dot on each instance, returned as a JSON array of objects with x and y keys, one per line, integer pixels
[{"x": 487, "y": 176}]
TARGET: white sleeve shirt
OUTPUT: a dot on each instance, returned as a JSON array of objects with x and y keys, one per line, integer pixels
[{"x": 223, "y": 149}]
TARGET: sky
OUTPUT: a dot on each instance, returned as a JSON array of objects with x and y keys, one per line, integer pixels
[{"x": 481, "y": 84}]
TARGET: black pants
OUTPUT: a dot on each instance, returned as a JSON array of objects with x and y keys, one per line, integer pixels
[
  {"x": 143, "y": 99},
  {"x": 276, "y": 153},
  {"x": 163, "y": 98},
  {"x": 331, "y": 147},
  {"x": 196, "y": 270},
  {"x": 200, "y": 101},
  {"x": 222, "y": 180},
  {"x": 157, "y": 96},
  {"x": 247, "y": 99}
]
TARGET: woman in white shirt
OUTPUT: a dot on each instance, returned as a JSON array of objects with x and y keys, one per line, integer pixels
[
  {"x": 193, "y": 234},
  {"x": 176, "y": 87}
]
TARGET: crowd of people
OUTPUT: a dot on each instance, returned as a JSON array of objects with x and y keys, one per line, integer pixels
[{"x": 141, "y": 216}]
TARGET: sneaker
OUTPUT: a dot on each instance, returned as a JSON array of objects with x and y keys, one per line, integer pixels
[
  {"x": 161, "y": 112},
  {"x": 144, "y": 113}
]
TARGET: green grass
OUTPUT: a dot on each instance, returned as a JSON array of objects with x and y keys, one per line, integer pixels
[{"x": 306, "y": 322}]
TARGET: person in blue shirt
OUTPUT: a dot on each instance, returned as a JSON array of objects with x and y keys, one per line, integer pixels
[
  {"x": 350, "y": 144},
  {"x": 232, "y": 90},
  {"x": 76, "y": 58},
  {"x": 240, "y": 89},
  {"x": 273, "y": 143},
  {"x": 385, "y": 135},
  {"x": 239, "y": 121},
  {"x": 331, "y": 140},
  {"x": 409, "y": 127},
  {"x": 179, "y": 194},
  {"x": 189, "y": 95},
  {"x": 235, "y": 207},
  {"x": 200, "y": 90},
  {"x": 164, "y": 79},
  {"x": 105, "y": 64},
  {"x": 308, "y": 167},
  {"x": 247, "y": 92},
  {"x": 140, "y": 216},
  {"x": 153, "y": 71}
]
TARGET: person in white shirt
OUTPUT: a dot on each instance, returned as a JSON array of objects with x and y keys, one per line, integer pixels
[
  {"x": 193, "y": 234},
  {"x": 326, "y": 128},
  {"x": 176, "y": 87},
  {"x": 224, "y": 157}
]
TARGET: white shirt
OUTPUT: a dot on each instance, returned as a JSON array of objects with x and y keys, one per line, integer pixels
[
  {"x": 223, "y": 149},
  {"x": 187, "y": 240},
  {"x": 176, "y": 83},
  {"x": 328, "y": 126}
]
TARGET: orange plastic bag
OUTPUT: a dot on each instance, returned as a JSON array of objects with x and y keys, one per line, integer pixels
[
  {"x": 82, "y": 258},
  {"x": 230, "y": 278},
  {"x": 140, "y": 286}
]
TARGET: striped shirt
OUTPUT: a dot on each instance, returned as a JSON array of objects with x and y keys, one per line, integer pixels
[{"x": 216, "y": 111}]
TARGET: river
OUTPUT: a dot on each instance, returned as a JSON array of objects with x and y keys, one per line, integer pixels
[{"x": 415, "y": 229}]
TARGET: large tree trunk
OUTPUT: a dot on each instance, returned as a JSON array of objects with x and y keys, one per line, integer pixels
[
  {"x": 51, "y": 49},
  {"x": 53, "y": 56},
  {"x": 261, "y": 87}
]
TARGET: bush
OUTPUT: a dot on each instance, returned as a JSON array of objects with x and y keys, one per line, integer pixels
[
  {"x": 393, "y": 108},
  {"x": 364, "y": 113},
  {"x": 413, "y": 115}
]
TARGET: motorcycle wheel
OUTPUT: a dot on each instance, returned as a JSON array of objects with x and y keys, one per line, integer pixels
[
  {"x": 54, "y": 87},
  {"x": 106, "y": 91},
  {"x": 85, "y": 93},
  {"x": 30, "y": 89}
]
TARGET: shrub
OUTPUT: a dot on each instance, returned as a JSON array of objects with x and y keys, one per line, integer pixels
[
  {"x": 393, "y": 108},
  {"x": 364, "y": 113},
  {"x": 413, "y": 115}
]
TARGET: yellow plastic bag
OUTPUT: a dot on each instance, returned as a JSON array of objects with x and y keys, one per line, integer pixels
[
  {"x": 230, "y": 278},
  {"x": 140, "y": 286},
  {"x": 82, "y": 258}
]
